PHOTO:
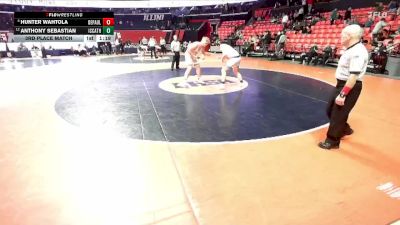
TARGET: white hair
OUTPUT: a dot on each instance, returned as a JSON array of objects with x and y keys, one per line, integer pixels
[{"x": 354, "y": 31}]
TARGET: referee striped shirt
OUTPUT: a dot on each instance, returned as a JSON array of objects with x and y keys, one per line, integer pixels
[{"x": 353, "y": 61}]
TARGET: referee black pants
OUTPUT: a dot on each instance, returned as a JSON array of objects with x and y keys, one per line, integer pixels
[
  {"x": 175, "y": 60},
  {"x": 338, "y": 115}
]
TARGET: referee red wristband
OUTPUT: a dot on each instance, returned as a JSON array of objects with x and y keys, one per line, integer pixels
[{"x": 346, "y": 90}]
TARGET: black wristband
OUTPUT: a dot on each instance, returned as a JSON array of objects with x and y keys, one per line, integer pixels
[{"x": 342, "y": 94}]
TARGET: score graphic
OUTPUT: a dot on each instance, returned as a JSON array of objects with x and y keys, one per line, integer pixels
[
  {"x": 108, "y": 26},
  {"x": 71, "y": 27}
]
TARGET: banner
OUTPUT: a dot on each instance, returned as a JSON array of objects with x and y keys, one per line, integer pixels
[
  {"x": 147, "y": 17},
  {"x": 153, "y": 17}
]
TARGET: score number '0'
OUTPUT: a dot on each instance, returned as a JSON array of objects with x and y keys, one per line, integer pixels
[
  {"x": 108, "y": 30},
  {"x": 108, "y": 21}
]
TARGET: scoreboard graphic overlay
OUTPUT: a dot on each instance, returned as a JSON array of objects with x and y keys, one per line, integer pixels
[{"x": 61, "y": 27}]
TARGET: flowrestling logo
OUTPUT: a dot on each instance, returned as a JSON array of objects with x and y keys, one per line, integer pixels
[{"x": 208, "y": 85}]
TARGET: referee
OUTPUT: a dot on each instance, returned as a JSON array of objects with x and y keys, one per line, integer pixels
[
  {"x": 349, "y": 74},
  {"x": 175, "y": 48}
]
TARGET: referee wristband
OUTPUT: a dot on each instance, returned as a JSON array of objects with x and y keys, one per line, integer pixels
[{"x": 345, "y": 91}]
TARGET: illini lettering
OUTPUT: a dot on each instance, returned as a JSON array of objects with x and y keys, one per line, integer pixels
[{"x": 153, "y": 17}]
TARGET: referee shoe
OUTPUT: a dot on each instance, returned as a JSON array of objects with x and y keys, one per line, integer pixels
[
  {"x": 348, "y": 132},
  {"x": 327, "y": 145}
]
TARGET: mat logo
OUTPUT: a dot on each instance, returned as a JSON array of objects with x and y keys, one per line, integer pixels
[
  {"x": 390, "y": 189},
  {"x": 194, "y": 84},
  {"x": 209, "y": 85}
]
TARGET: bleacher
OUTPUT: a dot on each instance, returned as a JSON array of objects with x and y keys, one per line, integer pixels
[
  {"x": 300, "y": 43},
  {"x": 258, "y": 28},
  {"x": 323, "y": 33},
  {"x": 362, "y": 15},
  {"x": 261, "y": 26},
  {"x": 228, "y": 27}
]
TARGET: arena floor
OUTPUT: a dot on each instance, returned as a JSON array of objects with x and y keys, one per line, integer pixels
[{"x": 113, "y": 141}]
